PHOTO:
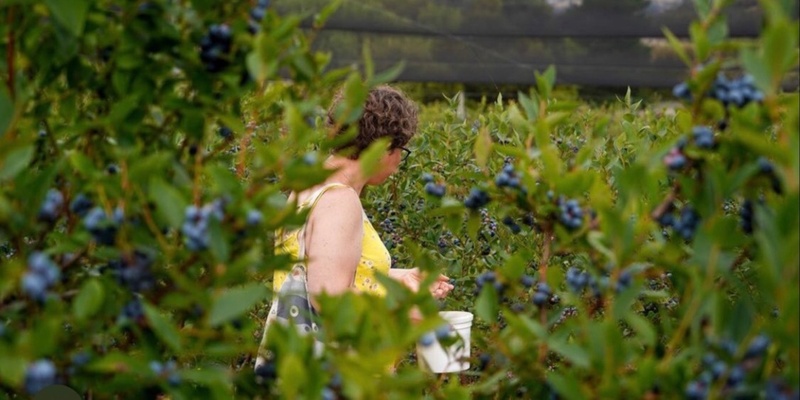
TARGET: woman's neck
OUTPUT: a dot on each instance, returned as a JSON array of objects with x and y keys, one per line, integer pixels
[{"x": 347, "y": 172}]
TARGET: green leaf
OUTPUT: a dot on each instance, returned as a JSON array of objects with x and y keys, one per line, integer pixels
[
  {"x": 6, "y": 111},
  {"x": 163, "y": 327},
  {"x": 483, "y": 147},
  {"x": 756, "y": 67},
  {"x": 89, "y": 300},
  {"x": 700, "y": 40},
  {"x": 388, "y": 75},
  {"x": 780, "y": 49},
  {"x": 545, "y": 81},
  {"x": 486, "y": 305},
  {"x": 218, "y": 241},
  {"x": 575, "y": 354},
  {"x": 642, "y": 327},
  {"x": 15, "y": 162},
  {"x": 677, "y": 46},
  {"x": 234, "y": 302},
  {"x": 70, "y": 13},
  {"x": 170, "y": 204},
  {"x": 371, "y": 158},
  {"x": 12, "y": 371},
  {"x": 566, "y": 385}
]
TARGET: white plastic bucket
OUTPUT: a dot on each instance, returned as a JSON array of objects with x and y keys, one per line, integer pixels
[{"x": 437, "y": 359}]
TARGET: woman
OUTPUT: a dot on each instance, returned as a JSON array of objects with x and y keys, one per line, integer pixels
[{"x": 341, "y": 248}]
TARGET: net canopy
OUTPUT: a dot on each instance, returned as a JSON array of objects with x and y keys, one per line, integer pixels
[{"x": 591, "y": 42}]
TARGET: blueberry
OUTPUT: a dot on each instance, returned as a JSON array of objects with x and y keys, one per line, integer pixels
[
  {"x": 328, "y": 394},
  {"x": 696, "y": 391},
  {"x": 544, "y": 288},
  {"x": 266, "y": 370},
  {"x": 80, "y": 205},
  {"x": 225, "y": 132},
  {"x": 257, "y": 13},
  {"x": 443, "y": 332},
  {"x": 81, "y": 359},
  {"x": 39, "y": 375},
  {"x": 156, "y": 367},
  {"x": 527, "y": 281},
  {"x": 736, "y": 376},
  {"x": 35, "y": 286},
  {"x": 758, "y": 347},
  {"x": 254, "y": 217},
  {"x": 427, "y": 339},
  {"x": 427, "y": 178},
  {"x": 434, "y": 189},
  {"x": 765, "y": 166},
  {"x": 682, "y": 91},
  {"x": 540, "y": 298},
  {"x": 174, "y": 379}
]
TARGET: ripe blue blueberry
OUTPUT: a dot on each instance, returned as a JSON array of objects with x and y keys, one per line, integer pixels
[
  {"x": 80, "y": 205},
  {"x": 540, "y": 298},
  {"x": 51, "y": 206},
  {"x": 703, "y": 137},
  {"x": 758, "y": 347},
  {"x": 675, "y": 159},
  {"x": 443, "y": 332},
  {"x": 39, "y": 375},
  {"x": 225, "y": 132},
  {"x": 254, "y": 217},
  {"x": 434, "y": 189},
  {"x": 427, "y": 178},
  {"x": 682, "y": 91},
  {"x": 427, "y": 339},
  {"x": 476, "y": 199}
]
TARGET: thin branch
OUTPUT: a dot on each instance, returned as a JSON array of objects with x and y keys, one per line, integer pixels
[{"x": 10, "y": 52}]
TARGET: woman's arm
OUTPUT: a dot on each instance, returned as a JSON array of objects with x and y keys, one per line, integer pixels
[{"x": 333, "y": 242}]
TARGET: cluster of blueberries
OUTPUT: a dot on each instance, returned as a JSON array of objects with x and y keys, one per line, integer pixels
[
  {"x": 431, "y": 188},
  {"x": 195, "y": 227},
  {"x": 102, "y": 226},
  {"x": 42, "y": 274},
  {"x": 511, "y": 224},
  {"x": 133, "y": 311},
  {"x": 51, "y": 207},
  {"x": 738, "y": 92},
  {"x": 571, "y": 213},
  {"x": 135, "y": 272},
  {"x": 685, "y": 224},
  {"x": 507, "y": 177},
  {"x": 168, "y": 370},
  {"x": 542, "y": 294},
  {"x": 215, "y": 46},
  {"x": 715, "y": 368},
  {"x": 476, "y": 199},
  {"x": 256, "y": 15}
]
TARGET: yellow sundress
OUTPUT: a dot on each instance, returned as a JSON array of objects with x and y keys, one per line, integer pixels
[{"x": 374, "y": 258}]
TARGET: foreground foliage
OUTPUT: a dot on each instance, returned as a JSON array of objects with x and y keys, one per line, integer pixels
[{"x": 607, "y": 252}]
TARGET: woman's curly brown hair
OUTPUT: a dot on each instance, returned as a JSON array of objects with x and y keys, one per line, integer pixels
[{"x": 388, "y": 113}]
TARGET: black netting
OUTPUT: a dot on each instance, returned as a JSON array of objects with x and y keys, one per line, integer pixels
[{"x": 591, "y": 42}]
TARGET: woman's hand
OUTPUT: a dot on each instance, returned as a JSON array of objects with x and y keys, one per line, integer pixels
[{"x": 412, "y": 278}]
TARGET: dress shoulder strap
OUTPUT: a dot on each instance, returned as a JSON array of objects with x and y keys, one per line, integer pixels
[{"x": 314, "y": 198}]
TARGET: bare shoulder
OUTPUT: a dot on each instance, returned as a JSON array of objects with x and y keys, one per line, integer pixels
[{"x": 339, "y": 205}]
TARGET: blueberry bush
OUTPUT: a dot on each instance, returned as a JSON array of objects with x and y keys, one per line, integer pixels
[{"x": 147, "y": 149}]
